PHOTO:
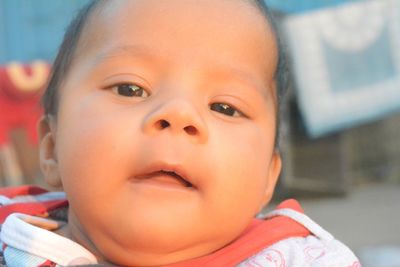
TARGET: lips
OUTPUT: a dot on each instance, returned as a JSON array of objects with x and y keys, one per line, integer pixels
[{"x": 164, "y": 175}]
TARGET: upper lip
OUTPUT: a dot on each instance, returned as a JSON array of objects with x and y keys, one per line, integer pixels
[{"x": 174, "y": 170}]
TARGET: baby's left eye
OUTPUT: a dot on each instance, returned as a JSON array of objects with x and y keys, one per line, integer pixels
[
  {"x": 130, "y": 90},
  {"x": 226, "y": 109}
]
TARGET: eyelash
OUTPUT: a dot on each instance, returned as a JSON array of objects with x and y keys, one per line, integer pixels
[
  {"x": 134, "y": 90},
  {"x": 226, "y": 109}
]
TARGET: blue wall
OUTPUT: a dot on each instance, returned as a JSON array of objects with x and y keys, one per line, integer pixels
[
  {"x": 33, "y": 29},
  {"x": 297, "y": 6}
]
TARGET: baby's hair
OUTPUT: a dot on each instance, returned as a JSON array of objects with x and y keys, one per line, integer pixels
[
  {"x": 62, "y": 63},
  {"x": 64, "y": 58},
  {"x": 281, "y": 73}
]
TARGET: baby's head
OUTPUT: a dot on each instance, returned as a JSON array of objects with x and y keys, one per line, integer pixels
[{"x": 160, "y": 126}]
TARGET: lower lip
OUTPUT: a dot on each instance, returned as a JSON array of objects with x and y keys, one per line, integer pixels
[{"x": 162, "y": 181}]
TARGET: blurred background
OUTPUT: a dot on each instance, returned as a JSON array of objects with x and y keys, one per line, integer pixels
[{"x": 340, "y": 136}]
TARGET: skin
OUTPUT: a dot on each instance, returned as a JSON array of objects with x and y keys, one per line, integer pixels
[{"x": 105, "y": 149}]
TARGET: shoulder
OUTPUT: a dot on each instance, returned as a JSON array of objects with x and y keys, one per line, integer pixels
[
  {"x": 319, "y": 249},
  {"x": 32, "y": 241},
  {"x": 304, "y": 251}
]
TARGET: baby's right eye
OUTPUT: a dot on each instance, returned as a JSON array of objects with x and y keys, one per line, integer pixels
[{"x": 130, "y": 90}]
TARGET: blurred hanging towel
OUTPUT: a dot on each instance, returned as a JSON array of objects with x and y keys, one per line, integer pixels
[
  {"x": 346, "y": 62},
  {"x": 20, "y": 90}
]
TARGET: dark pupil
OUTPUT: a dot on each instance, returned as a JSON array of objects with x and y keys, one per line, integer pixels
[
  {"x": 129, "y": 90},
  {"x": 223, "y": 108}
]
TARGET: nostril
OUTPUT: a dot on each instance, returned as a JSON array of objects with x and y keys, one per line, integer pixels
[
  {"x": 190, "y": 130},
  {"x": 162, "y": 124}
]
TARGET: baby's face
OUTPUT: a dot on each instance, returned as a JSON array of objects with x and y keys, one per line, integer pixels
[{"x": 165, "y": 133}]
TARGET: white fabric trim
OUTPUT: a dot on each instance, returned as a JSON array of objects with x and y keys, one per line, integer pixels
[
  {"x": 21, "y": 235},
  {"x": 304, "y": 220},
  {"x": 4, "y": 200}
]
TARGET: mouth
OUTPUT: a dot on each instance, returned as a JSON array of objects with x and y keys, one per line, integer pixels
[{"x": 164, "y": 177}]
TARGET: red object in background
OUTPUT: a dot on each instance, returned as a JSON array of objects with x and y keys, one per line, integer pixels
[{"x": 20, "y": 91}]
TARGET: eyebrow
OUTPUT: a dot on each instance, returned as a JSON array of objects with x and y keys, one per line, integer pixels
[
  {"x": 134, "y": 50},
  {"x": 243, "y": 77},
  {"x": 227, "y": 71}
]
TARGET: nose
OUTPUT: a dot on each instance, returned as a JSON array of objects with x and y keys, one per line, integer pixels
[{"x": 178, "y": 116}]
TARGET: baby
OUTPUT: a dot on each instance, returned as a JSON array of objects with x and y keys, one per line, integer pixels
[{"x": 160, "y": 126}]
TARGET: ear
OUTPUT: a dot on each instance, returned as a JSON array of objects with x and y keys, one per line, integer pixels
[
  {"x": 275, "y": 167},
  {"x": 47, "y": 151}
]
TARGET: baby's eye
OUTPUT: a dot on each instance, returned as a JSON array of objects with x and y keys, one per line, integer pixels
[
  {"x": 225, "y": 109},
  {"x": 130, "y": 90}
]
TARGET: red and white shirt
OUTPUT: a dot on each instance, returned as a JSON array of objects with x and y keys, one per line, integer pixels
[{"x": 284, "y": 238}]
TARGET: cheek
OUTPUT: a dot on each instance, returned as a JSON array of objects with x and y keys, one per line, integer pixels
[
  {"x": 85, "y": 153},
  {"x": 92, "y": 144},
  {"x": 248, "y": 148},
  {"x": 243, "y": 158}
]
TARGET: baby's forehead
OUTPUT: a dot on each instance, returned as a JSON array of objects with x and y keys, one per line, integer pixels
[{"x": 112, "y": 12}]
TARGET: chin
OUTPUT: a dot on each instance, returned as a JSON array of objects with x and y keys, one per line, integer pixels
[{"x": 162, "y": 250}]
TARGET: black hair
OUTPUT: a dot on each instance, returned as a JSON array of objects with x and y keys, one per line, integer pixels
[
  {"x": 74, "y": 31},
  {"x": 282, "y": 69},
  {"x": 281, "y": 73},
  {"x": 64, "y": 58}
]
